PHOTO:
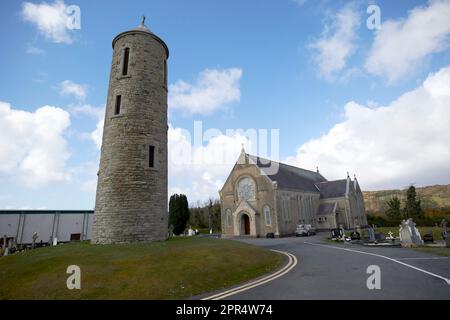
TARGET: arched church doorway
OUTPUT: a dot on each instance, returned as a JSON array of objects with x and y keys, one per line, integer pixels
[{"x": 245, "y": 224}]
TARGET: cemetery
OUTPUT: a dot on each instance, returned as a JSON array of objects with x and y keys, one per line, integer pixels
[{"x": 407, "y": 236}]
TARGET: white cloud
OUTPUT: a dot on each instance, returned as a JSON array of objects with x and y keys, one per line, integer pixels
[
  {"x": 403, "y": 45},
  {"x": 97, "y": 113},
  {"x": 34, "y": 50},
  {"x": 32, "y": 147},
  {"x": 85, "y": 176},
  {"x": 389, "y": 147},
  {"x": 299, "y": 2},
  {"x": 70, "y": 88},
  {"x": 337, "y": 42},
  {"x": 50, "y": 19},
  {"x": 97, "y": 134},
  {"x": 212, "y": 90},
  {"x": 88, "y": 110},
  {"x": 199, "y": 171}
]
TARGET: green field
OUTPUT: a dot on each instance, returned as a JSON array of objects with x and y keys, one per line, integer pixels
[
  {"x": 172, "y": 269},
  {"x": 437, "y": 251},
  {"x": 423, "y": 230}
]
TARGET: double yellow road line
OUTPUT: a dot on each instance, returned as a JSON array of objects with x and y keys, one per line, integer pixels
[{"x": 292, "y": 262}]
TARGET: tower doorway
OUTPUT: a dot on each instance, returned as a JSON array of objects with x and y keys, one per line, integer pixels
[{"x": 245, "y": 224}]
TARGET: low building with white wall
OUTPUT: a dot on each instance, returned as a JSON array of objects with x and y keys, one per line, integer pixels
[{"x": 65, "y": 225}]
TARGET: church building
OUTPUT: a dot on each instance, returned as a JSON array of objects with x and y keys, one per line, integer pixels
[{"x": 262, "y": 196}]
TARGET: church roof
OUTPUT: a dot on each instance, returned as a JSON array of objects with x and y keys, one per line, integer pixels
[
  {"x": 332, "y": 189},
  {"x": 326, "y": 209},
  {"x": 289, "y": 177}
]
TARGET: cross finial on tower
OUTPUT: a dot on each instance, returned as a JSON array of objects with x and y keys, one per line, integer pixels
[
  {"x": 143, "y": 21},
  {"x": 317, "y": 169}
]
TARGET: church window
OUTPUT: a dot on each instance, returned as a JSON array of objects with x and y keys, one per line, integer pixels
[
  {"x": 285, "y": 209},
  {"x": 126, "y": 58},
  {"x": 246, "y": 189},
  {"x": 288, "y": 204},
  {"x": 229, "y": 217},
  {"x": 118, "y": 104},
  {"x": 266, "y": 211},
  {"x": 151, "y": 157}
]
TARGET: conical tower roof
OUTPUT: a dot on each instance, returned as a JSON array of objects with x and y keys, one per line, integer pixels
[{"x": 142, "y": 28}]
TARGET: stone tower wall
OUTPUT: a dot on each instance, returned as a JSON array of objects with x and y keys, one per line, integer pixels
[{"x": 131, "y": 201}]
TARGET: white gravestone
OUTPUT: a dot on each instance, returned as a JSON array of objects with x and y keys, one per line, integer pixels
[{"x": 409, "y": 234}]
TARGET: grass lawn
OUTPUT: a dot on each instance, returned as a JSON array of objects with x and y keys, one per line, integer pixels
[
  {"x": 172, "y": 269},
  {"x": 438, "y": 251},
  {"x": 423, "y": 230}
]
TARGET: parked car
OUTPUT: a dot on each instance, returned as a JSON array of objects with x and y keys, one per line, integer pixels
[{"x": 305, "y": 230}]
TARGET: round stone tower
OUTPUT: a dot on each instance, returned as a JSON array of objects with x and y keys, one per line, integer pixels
[{"x": 131, "y": 201}]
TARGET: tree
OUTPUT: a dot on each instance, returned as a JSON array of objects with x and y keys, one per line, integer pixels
[
  {"x": 394, "y": 212},
  {"x": 413, "y": 207},
  {"x": 205, "y": 215},
  {"x": 214, "y": 215},
  {"x": 178, "y": 213}
]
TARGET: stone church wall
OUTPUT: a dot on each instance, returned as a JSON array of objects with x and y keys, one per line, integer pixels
[
  {"x": 301, "y": 206},
  {"x": 264, "y": 195}
]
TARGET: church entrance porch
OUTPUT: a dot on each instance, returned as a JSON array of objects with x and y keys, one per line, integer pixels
[{"x": 245, "y": 224}]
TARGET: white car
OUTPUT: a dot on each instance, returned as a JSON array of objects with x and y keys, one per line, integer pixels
[{"x": 305, "y": 230}]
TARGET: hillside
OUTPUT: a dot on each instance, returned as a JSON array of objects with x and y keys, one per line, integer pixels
[{"x": 437, "y": 196}]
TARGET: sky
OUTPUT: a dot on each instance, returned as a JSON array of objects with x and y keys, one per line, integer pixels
[{"x": 346, "y": 86}]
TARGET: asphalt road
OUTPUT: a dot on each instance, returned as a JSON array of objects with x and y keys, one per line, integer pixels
[{"x": 325, "y": 272}]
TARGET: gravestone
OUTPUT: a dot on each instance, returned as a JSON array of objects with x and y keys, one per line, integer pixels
[
  {"x": 34, "y": 237},
  {"x": 371, "y": 234},
  {"x": 379, "y": 236},
  {"x": 336, "y": 233},
  {"x": 444, "y": 229},
  {"x": 409, "y": 234},
  {"x": 390, "y": 237},
  {"x": 428, "y": 237},
  {"x": 355, "y": 235}
]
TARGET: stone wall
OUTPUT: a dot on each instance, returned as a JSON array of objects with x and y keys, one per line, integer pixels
[
  {"x": 264, "y": 196},
  {"x": 301, "y": 206},
  {"x": 131, "y": 202}
]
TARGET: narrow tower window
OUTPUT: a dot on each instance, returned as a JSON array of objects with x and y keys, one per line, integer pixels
[
  {"x": 118, "y": 103},
  {"x": 165, "y": 73},
  {"x": 151, "y": 156},
  {"x": 126, "y": 57}
]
